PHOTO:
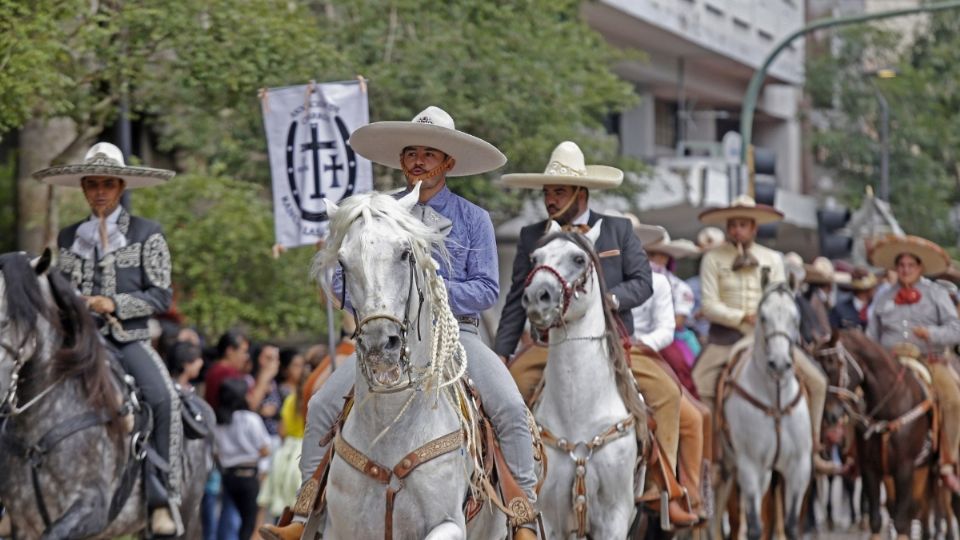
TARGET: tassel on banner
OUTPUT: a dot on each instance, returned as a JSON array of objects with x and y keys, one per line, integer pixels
[
  {"x": 262, "y": 96},
  {"x": 363, "y": 83}
]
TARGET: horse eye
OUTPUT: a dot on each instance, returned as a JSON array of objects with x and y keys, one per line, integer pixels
[
  {"x": 405, "y": 255},
  {"x": 580, "y": 260}
]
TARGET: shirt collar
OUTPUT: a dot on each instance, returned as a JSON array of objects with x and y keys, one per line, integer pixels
[
  {"x": 439, "y": 200},
  {"x": 582, "y": 219}
]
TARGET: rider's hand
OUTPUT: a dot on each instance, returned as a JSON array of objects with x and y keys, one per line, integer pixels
[
  {"x": 921, "y": 333},
  {"x": 101, "y": 304},
  {"x": 749, "y": 318}
]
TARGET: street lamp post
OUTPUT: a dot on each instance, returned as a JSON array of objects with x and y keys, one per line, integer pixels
[{"x": 753, "y": 89}]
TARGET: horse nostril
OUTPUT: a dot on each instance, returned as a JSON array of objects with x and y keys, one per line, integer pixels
[
  {"x": 772, "y": 364},
  {"x": 545, "y": 296},
  {"x": 393, "y": 343}
]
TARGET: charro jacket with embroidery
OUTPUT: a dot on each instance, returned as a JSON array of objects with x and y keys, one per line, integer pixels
[{"x": 136, "y": 277}]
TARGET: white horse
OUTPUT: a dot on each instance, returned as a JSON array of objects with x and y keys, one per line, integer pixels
[
  {"x": 589, "y": 407},
  {"x": 403, "y": 463},
  {"x": 767, "y": 417}
]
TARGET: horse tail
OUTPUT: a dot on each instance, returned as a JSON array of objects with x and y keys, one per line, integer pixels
[{"x": 82, "y": 354}]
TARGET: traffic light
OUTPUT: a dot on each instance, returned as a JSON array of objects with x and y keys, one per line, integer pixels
[
  {"x": 833, "y": 245},
  {"x": 765, "y": 190}
]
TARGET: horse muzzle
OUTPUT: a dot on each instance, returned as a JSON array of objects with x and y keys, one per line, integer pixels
[
  {"x": 380, "y": 348},
  {"x": 543, "y": 304}
]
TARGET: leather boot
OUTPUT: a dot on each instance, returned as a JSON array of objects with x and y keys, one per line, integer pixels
[
  {"x": 525, "y": 534},
  {"x": 822, "y": 466},
  {"x": 293, "y": 531},
  {"x": 161, "y": 522},
  {"x": 678, "y": 516}
]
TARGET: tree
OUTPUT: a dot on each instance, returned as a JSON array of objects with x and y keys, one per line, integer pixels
[{"x": 924, "y": 120}]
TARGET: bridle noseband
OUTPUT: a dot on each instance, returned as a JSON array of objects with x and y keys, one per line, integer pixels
[{"x": 570, "y": 289}]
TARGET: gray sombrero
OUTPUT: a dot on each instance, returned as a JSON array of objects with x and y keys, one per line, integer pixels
[
  {"x": 103, "y": 159},
  {"x": 382, "y": 142},
  {"x": 885, "y": 251},
  {"x": 566, "y": 167}
]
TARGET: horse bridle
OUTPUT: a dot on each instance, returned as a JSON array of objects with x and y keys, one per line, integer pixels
[
  {"x": 782, "y": 287},
  {"x": 406, "y": 366},
  {"x": 571, "y": 289}
]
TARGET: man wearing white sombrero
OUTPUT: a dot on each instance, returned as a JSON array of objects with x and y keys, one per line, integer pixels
[
  {"x": 429, "y": 149},
  {"x": 732, "y": 278},
  {"x": 916, "y": 313},
  {"x": 121, "y": 265},
  {"x": 566, "y": 183}
]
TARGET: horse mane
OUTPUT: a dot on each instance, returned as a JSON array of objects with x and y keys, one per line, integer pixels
[
  {"x": 423, "y": 239},
  {"x": 80, "y": 352},
  {"x": 626, "y": 384}
]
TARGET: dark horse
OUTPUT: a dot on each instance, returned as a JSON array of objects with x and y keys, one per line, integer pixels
[
  {"x": 64, "y": 448},
  {"x": 892, "y": 420}
]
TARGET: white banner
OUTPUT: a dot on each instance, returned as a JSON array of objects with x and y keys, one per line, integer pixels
[{"x": 307, "y": 133}]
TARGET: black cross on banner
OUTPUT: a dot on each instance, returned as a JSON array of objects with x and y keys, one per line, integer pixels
[
  {"x": 314, "y": 146},
  {"x": 334, "y": 166}
]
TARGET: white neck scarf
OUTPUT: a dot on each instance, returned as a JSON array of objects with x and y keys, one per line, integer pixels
[{"x": 87, "y": 241}]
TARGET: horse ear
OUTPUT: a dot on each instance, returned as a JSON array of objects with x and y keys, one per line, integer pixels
[
  {"x": 594, "y": 232},
  {"x": 411, "y": 199},
  {"x": 553, "y": 227},
  {"x": 42, "y": 263},
  {"x": 331, "y": 207}
]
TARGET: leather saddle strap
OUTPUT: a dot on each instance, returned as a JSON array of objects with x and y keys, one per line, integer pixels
[{"x": 429, "y": 451}]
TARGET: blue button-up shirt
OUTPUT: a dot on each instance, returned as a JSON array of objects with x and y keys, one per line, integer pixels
[{"x": 472, "y": 275}]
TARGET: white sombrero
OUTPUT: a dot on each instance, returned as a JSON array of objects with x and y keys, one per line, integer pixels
[
  {"x": 103, "y": 159},
  {"x": 709, "y": 238},
  {"x": 566, "y": 167},
  {"x": 649, "y": 234},
  {"x": 676, "y": 249},
  {"x": 885, "y": 251},
  {"x": 742, "y": 207},
  {"x": 382, "y": 142},
  {"x": 820, "y": 272}
]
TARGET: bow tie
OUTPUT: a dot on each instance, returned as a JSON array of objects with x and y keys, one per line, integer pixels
[
  {"x": 581, "y": 228},
  {"x": 907, "y": 296},
  {"x": 744, "y": 259}
]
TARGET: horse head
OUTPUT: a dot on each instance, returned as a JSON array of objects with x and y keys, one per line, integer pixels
[
  {"x": 390, "y": 279},
  {"x": 565, "y": 280},
  {"x": 778, "y": 321},
  {"x": 25, "y": 310}
]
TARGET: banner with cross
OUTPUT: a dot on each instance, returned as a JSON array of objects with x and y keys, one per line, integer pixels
[{"x": 307, "y": 129}]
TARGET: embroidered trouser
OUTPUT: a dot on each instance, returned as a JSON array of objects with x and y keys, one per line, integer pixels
[
  {"x": 501, "y": 402},
  {"x": 713, "y": 361},
  {"x": 142, "y": 362},
  {"x": 693, "y": 417},
  {"x": 944, "y": 383}
]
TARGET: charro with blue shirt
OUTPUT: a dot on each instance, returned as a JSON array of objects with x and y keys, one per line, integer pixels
[{"x": 428, "y": 150}]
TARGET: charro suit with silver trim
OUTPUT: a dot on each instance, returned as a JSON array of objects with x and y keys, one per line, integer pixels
[{"x": 137, "y": 278}]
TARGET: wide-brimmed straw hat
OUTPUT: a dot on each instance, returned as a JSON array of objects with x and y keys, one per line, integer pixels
[
  {"x": 103, "y": 159},
  {"x": 709, "y": 238},
  {"x": 861, "y": 279},
  {"x": 819, "y": 272},
  {"x": 382, "y": 142},
  {"x": 676, "y": 249},
  {"x": 648, "y": 234},
  {"x": 742, "y": 207},
  {"x": 885, "y": 251},
  {"x": 567, "y": 167}
]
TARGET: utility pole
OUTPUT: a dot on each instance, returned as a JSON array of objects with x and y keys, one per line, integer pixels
[{"x": 753, "y": 89}]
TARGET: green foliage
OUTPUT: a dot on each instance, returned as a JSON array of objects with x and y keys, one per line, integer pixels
[
  {"x": 924, "y": 102},
  {"x": 220, "y": 232},
  {"x": 8, "y": 203}
]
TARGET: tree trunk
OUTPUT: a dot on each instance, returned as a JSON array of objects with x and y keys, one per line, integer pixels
[{"x": 41, "y": 141}]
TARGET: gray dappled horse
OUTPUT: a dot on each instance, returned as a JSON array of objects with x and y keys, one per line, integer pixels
[
  {"x": 767, "y": 418},
  {"x": 63, "y": 446},
  {"x": 589, "y": 408},
  {"x": 407, "y": 396}
]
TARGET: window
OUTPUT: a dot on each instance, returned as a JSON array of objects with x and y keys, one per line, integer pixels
[{"x": 665, "y": 124}]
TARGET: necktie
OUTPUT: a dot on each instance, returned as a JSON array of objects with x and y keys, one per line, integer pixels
[
  {"x": 907, "y": 296},
  {"x": 431, "y": 218},
  {"x": 863, "y": 313},
  {"x": 744, "y": 259},
  {"x": 581, "y": 228}
]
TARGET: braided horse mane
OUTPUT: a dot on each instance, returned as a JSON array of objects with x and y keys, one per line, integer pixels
[{"x": 626, "y": 384}]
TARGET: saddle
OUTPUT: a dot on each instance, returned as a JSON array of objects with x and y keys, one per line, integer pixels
[{"x": 499, "y": 486}]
